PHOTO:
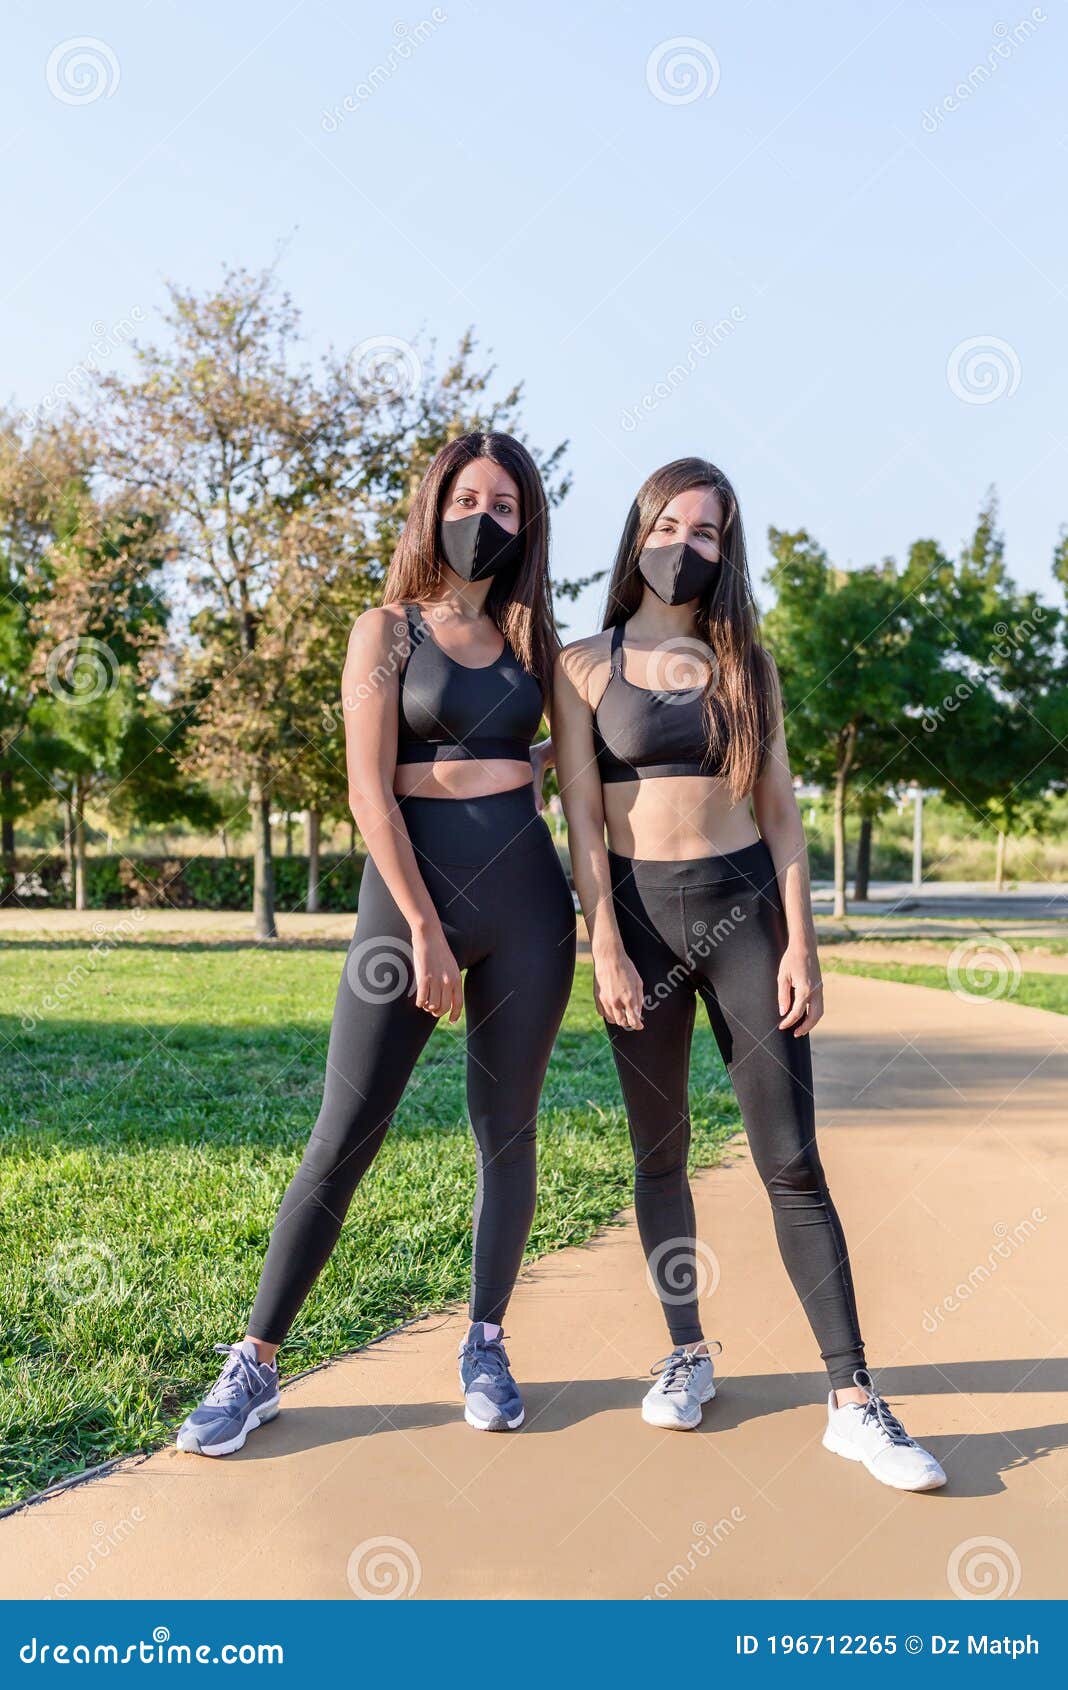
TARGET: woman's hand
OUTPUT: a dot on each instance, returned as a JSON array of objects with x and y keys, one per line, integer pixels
[
  {"x": 541, "y": 761},
  {"x": 800, "y": 991},
  {"x": 617, "y": 989},
  {"x": 437, "y": 974}
]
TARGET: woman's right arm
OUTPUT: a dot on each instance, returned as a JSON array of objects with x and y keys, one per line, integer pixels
[
  {"x": 370, "y": 689},
  {"x": 617, "y": 986}
]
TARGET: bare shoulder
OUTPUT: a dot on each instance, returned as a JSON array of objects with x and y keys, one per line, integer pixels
[
  {"x": 585, "y": 662},
  {"x": 379, "y": 638},
  {"x": 379, "y": 627}
]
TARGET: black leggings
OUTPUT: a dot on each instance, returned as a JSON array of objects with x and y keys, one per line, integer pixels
[
  {"x": 714, "y": 928},
  {"x": 495, "y": 879}
]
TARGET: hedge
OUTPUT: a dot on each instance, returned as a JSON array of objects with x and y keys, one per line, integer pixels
[{"x": 187, "y": 883}]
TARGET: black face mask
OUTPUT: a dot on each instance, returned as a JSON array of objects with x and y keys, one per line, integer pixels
[
  {"x": 476, "y": 547},
  {"x": 677, "y": 573}
]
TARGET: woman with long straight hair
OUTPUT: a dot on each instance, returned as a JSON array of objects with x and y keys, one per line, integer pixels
[
  {"x": 444, "y": 689},
  {"x": 669, "y": 737}
]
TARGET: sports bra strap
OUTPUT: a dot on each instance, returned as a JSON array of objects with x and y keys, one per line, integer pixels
[
  {"x": 617, "y": 649},
  {"x": 416, "y": 631}
]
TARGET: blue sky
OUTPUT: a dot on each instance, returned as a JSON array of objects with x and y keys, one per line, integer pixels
[{"x": 884, "y": 255}]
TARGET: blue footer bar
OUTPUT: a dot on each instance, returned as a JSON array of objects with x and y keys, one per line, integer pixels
[{"x": 538, "y": 1644}]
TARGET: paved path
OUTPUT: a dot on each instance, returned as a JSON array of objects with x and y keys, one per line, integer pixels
[{"x": 944, "y": 1136}]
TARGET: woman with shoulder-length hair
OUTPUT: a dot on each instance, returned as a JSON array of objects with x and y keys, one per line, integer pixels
[
  {"x": 669, "y": 736},
  {"x": 444, "y": 689}
]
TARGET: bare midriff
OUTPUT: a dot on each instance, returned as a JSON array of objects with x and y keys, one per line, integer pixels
[
  {"x": 675, "y": 818},
  {"x": 470, "y": 778}
]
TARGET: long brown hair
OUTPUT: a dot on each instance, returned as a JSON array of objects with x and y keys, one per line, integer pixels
[
  {"x": 520, "y": 601},
  {"x": 740, "y": 697}
]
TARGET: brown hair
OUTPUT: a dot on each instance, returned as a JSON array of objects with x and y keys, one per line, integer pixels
[
  {"x": 520, "y": 601},
  {"x": 741, "y": 695}
]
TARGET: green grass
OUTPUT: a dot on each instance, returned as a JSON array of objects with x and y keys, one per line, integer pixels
[
  {"x": 883, "y": 933},
  {"x": 154, "y": 1103},
  {"x": 1039, "y": 991}
]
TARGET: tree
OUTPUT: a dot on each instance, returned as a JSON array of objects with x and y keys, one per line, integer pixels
[
  {"x": 98, "y": 630},
  {"x": 855, "y": 652},
  {"x": 283, "y": 489},
  {"x": 1001, "y": 694},
  {"x": 245, "y": 456},
  {"x": 43, "y": 475}
]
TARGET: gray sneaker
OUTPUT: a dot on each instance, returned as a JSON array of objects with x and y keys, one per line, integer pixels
[
  {"x": 492, "y": 1402},
  {"x": 686, "y": 1382},
  {"x": 870, "y": 1433},
  {"x": 244, "y": 1396}
]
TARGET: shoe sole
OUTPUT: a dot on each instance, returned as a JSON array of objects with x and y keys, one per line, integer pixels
[
  {"x": 679, "y": 1425},
  {"x": 848, "y": 1453},
  {"x": 258, "y": 1417},
  {"x": 499, "y": 1423}
]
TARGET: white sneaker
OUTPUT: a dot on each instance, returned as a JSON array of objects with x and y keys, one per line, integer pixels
[
  {"x": 685, "y": 1383},
  {"x": 868, "y": 1432}
]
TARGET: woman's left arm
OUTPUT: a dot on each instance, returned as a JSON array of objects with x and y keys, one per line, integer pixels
[
  {"x": 779, "y": 820},
  {"x": 542, "y": 759}
]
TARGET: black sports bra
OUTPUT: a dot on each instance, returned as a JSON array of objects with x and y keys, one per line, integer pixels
[
  {"x": 449, "y": 712},
  {"x": 639, "y": 733}
]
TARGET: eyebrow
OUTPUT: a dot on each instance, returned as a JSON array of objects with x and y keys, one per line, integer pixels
[
  {"x": 665, "y": 517},
  {"x": 513, "y": 496}
]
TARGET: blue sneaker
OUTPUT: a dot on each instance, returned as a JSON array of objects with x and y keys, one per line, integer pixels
[
  {"x": 491, "y": 1397},
  {"x": 244, "y": 1396}
]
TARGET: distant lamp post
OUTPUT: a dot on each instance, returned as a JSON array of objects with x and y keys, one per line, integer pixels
[{"x": 916, "y": 794}]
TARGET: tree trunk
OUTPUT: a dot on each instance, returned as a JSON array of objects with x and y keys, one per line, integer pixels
[
  {"x": 289, "y": 833},
  {"x": 840, "y": 781},
  {"x": 7, "y": 823},
  {"x": 863, "y": 872},
  {"x": 999, "y": 862},
  {"x": 68, "y": 844},
  {"x": 311, "y": 837},
  {"x": 81, "y": 897},
  {"x": 263, "y": 865},
  {"x": 917, "y": 840},
  {"x": 847, "y": 741}
]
